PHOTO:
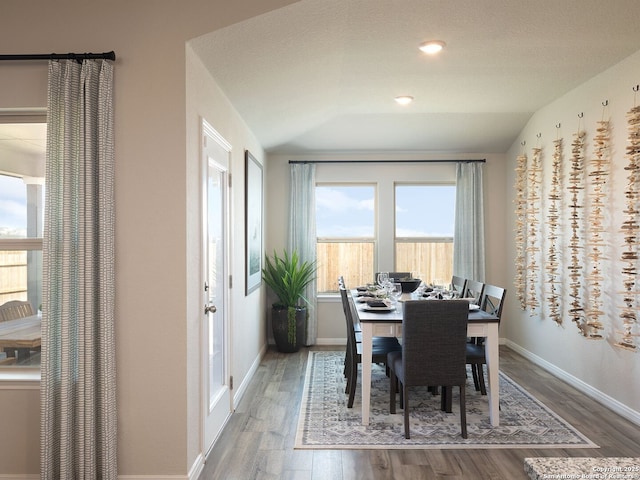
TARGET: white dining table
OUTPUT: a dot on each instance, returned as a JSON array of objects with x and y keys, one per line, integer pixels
[{"x": 389, "y": 324}]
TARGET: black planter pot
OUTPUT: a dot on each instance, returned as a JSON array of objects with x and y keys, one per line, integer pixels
[{"x": 289, "y": 337}]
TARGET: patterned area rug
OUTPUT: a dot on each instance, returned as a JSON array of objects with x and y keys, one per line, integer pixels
[{"x": 326, "y": 422}]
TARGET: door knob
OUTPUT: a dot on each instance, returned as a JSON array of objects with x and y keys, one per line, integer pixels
[{"x": 209, "y": 309}]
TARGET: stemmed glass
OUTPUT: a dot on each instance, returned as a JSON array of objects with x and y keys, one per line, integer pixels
[
  {"x": 383, "y": 279},
  {"x": 396, "y": 292}
]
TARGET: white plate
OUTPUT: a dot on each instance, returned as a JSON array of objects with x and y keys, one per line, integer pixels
[{"x": 474, "y": 307}]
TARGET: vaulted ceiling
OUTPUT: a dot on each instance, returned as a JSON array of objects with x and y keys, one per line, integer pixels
[{"x": 321, "y": 75}]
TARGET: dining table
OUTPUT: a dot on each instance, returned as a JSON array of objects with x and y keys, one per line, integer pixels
[
  {"x": 20, "y": 334},
  {"x": 388, "y": 322}
]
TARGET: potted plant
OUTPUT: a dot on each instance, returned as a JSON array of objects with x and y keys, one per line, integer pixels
[{"x": 288, "y": 277}]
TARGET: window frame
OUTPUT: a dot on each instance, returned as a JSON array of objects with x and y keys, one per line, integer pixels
[
  {"x": 372, "y": 240},
  {"x": 422, "y": 239},
  {"x": 11, "y": 376}
]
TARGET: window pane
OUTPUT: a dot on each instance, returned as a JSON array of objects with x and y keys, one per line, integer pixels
[
  {"x": 345, "y": 211},
  {"x": 20, "y": 279},
  {"x": 13, "y": 207},
  {"x": 425, "y": 210},
  {"x": 432, "y": 261},
  {"x": 352, "y": 260},
  {"x": 425, "y": 217},
  {"x": 345, "y": 224},
  {"x": 21, "y": 229}
]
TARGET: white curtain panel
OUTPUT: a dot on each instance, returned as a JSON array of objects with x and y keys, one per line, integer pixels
[
  {"x": 302, "y": 231},
  {"x": 468, "y": 237},
  {"x": 78, "y": 387}
]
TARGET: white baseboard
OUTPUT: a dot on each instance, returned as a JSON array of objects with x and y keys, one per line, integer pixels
[
  {"x": 196, "y": 468},
  {"x": 242, "y": 388},
  {"x": 152, "y": 477},
  {"x": 600, "y": 397},
  {"x": 331, "y": 341}
]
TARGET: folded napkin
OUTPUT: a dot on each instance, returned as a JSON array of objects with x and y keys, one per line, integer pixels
[{"x": 376, "y": 303}]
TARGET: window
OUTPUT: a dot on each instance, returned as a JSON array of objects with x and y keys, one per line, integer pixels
[
  {"x": 424, "y": 227},
  {"x": 21, "y": 229},
  {"x": 384, "y": 216},
  {"x": 345, "y": 229}
]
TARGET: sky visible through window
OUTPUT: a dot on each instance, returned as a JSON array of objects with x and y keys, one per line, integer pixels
[
  {"x": 13, "y": 206},
  {"x": 345, "y": 212},
  {"x": 421, "y": 211},
  {"x": 425, "y": 210}
]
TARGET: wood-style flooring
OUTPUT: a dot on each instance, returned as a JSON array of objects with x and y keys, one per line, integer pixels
[{"x": 257, "y": 443}]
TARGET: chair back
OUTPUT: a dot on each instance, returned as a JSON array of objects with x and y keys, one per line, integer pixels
[
  {"x": 493, "y": 300},
  {"x": 394, "y": 276},
  {"x": 434, "y": 337},
  {"x": 348, "y": 316},
  {"x": 15, "y": 309},
  {"x": 474, "y": 289},
  {"x": 458, "y": 284}
]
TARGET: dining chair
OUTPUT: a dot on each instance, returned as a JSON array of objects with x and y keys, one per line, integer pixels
[
  {"x": 434, "y": 335},
  {"x": 491, "y": 302},
  {"x": 15, "y": 309},
  {"x": 473, "y": 290},
  {"x": 458, "y": 284},
  {"x": 380, "y": 348}
]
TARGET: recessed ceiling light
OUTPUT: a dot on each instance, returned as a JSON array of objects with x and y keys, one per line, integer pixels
[
  {"x": 432, "y": 46},
  {"x": 404, "y": 99}
]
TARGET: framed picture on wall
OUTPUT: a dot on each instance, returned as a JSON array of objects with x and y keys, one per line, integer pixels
[{"x": 253, "y": 222}]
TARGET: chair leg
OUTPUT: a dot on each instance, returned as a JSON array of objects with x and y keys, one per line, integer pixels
[
  {"x": 406, "y": 411},
  {"x": 483, "y": 386},
  {"x": 347, "y": 370},
  {"x": 474, "y": 372},
  {"x": 445, "y": 399},
  {"x": 393, "y": 385},
  {"x": 463, "y": 412},
  {"x": 353, "y": 381}
]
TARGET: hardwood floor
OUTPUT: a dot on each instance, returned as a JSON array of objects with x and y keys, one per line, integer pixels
[{"x": 258, "y": 441}]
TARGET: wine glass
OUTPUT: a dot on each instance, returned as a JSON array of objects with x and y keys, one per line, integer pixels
[
  {"x": 383, "y": 279},
  {"x": 396, "y": 292}
]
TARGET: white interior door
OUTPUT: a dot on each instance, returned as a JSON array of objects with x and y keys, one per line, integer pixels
[{"x": 215, "y": 329}]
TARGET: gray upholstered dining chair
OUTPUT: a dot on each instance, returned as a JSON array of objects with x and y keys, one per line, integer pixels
[
  {"x": 434, "y": 334},
  {"x": 491, "y": 302}
]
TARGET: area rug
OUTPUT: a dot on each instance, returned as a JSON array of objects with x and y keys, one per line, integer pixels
[{"x": 325, "y": 422}]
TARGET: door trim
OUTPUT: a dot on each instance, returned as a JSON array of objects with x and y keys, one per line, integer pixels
[{"x": 208, "y": 132}]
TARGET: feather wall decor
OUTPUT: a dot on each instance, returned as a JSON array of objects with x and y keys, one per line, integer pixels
[
  {"x": 576, "y": 209},
  {"x": 598, "y": 200},
  {"x": 630, "y": 230},
  {"x": 520, "y": 228}
]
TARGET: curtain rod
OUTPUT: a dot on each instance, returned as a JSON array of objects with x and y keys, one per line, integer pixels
[
  {"x": 482, "y": 160},
  {"x": 61, "y": 56}
]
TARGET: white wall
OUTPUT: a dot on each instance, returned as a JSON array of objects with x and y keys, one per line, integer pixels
[
  {"x": 330, "y": 315},
  {"x": 158, "y": 413},
  {"x": 608, "y": 373}
]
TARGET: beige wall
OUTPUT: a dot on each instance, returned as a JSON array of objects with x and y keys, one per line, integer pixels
[
  {"x": 158, "y": 410},
  {"x": 604, "y": 371}
]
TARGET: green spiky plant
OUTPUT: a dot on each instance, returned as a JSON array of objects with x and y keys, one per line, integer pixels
[{"x": 288, "y": 277}]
